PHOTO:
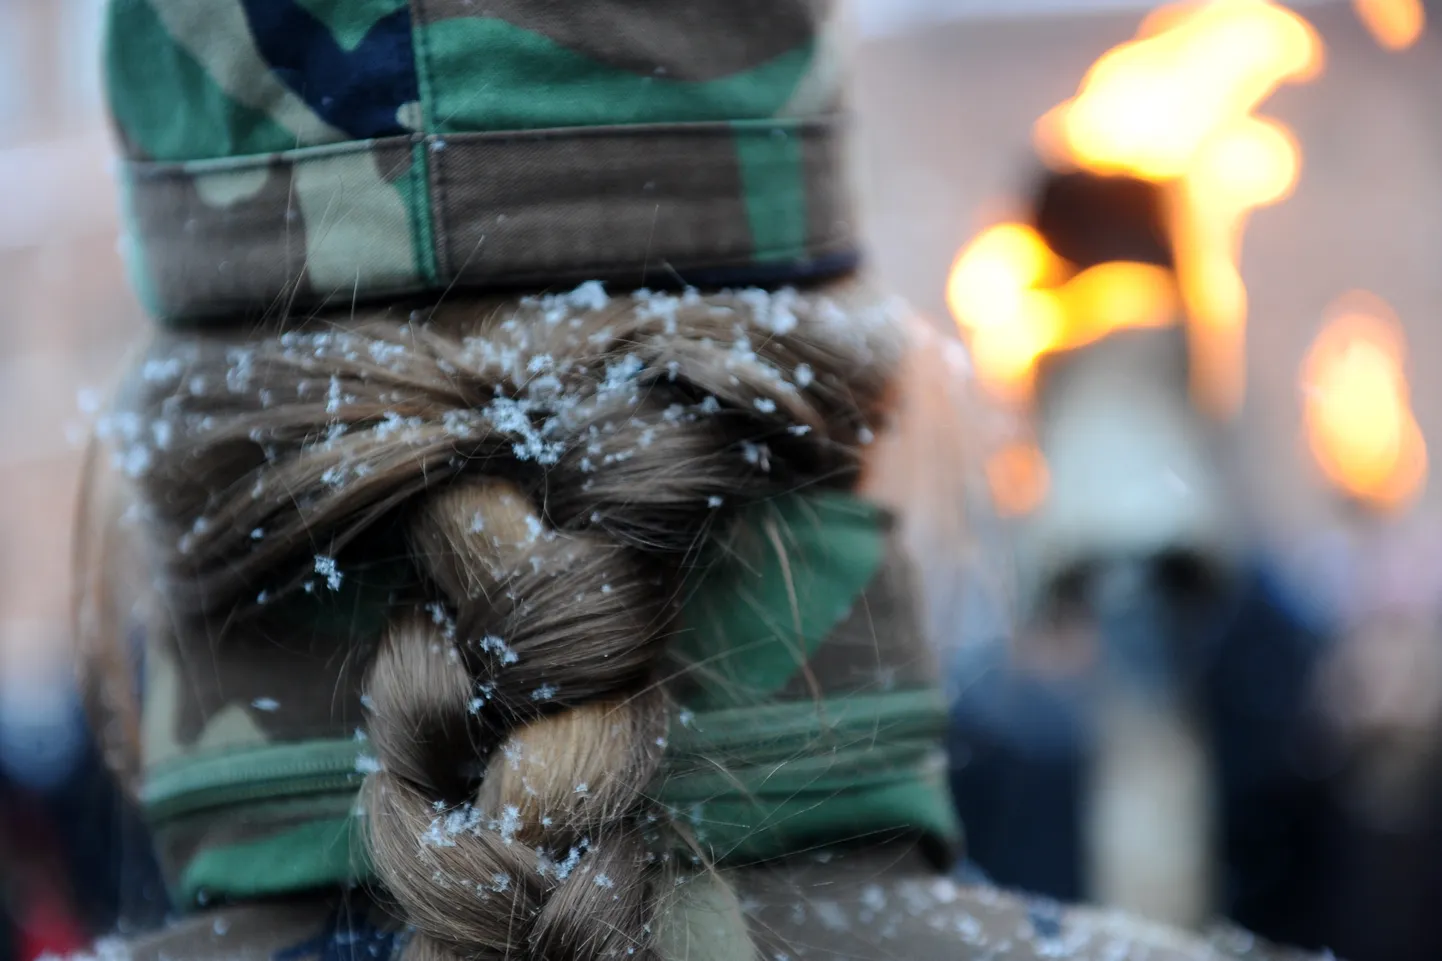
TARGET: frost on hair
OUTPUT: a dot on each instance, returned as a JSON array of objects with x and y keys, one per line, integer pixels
[{"x": 548, "y": 467}]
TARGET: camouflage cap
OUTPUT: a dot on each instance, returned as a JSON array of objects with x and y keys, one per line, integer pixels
[{"x": 289, "y": 153}]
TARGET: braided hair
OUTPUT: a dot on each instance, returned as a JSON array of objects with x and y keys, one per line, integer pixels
[{"x": 547, "y": 469}]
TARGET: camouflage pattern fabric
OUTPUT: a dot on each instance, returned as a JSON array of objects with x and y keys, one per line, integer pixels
[
  {"x": 878, "y": 905},
  {"x": 287, "y": 154},
  {"x": 816, "y": 600}
]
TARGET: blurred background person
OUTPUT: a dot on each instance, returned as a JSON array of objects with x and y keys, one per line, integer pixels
[
  {"x": 1175, "y": 723},
  {"x": 74, "y": 858}
]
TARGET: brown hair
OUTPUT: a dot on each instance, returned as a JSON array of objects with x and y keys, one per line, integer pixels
[{"x": 547, "y": 469}]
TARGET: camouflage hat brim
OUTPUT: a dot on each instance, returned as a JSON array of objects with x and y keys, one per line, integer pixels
[
  {"x": 297, "y": 153},
  {"x": 633, "y": 205}
]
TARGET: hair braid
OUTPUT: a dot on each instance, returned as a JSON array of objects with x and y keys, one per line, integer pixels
[
  {"x": 546, "y": 474},
  {"x": 543, "y": 620}
]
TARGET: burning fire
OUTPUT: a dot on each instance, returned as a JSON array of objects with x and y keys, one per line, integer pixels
[
  {"x": 1172, "y": 107},
  {"x": 1018, "y": 478},
  {"x": 1176, "y": 107},
  {"x": 1396, "y": 24},
  {"x": 1356, "y": 405},
  {"x": 1017, "y": 300}
]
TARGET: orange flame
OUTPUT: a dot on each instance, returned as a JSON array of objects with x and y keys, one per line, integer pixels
[
  {"x": 1356, "y": 405},
  {"x": 1173, "y": 107},
  {"x": 1015, "y": 300},
  {"x": 1395, "y": 24},
  {"x": 1149, "y": 106},
  {"x": 1018, "y": 479}
]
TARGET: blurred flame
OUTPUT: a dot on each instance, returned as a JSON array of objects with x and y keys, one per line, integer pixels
[
  {"x": 1252, "y": 163},
  {"x": 1356, "y": 405},
  {"x": 1148, "y": 107},
  {"x": 1016, "y": 300},
  {"x": 1395, "y": 24},
  {"x": 1018, "y": 478},
  {"x": 996, "y": 292},
  {"x": 1174, "y": 107}
]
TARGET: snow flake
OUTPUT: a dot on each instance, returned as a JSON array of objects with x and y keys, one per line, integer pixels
[
  {"x": 498, "y": 647},
  {"x": 334, "y": 398},
  {"x": 590, "y": 295},
  {"x": 325, "y": 566},
  {"x": 509, "y": 823},
  {"x": 873, "y": 897},
  {"x": 161, "y": 370}
]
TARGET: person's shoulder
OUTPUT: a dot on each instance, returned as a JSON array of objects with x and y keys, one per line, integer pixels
[
  {"x": 310, "y": 930},
  {"x": 885, "y": 905},
  {"x": 1218, "y": 942}
]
